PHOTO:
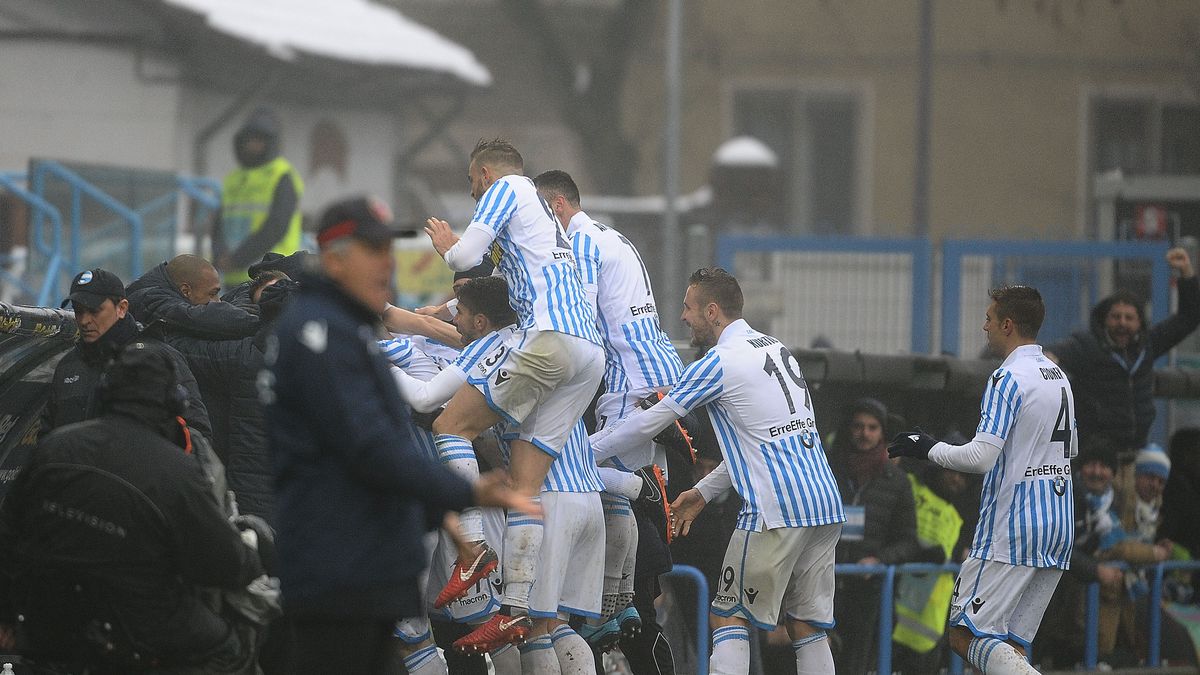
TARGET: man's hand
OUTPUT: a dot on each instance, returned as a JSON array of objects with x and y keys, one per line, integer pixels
[
  {"x": 685, "y": 508},
  {"x": 915, "y": 444},
  {"x": 1181, "y": 262},
  {"x": 436, "y": 311},
  {"x": 493, "y": 489},
  {"x": 440, "y": 234}
]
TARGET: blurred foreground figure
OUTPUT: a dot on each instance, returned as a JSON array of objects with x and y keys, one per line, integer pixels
[{"x": 110, "y": 534}]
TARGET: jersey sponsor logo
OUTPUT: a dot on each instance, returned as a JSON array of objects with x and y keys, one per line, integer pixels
[
  {"x": 976, "y": 605},
  {"x": 647, "y": 308},
  {"x": 751, "y": 594},
  {"x": 1046, "y": 470},
  {"x": 502, "y": 376},
  {"x": 798, "y": 424},
  {"x": 1060, "y": 485},
  {"x": 996, "y": 380},
  {"x": 1052, "y": 374},
  {"x": 764, "y": 341},
  {"x": 726, "y": 599},
  {"x": 562, "y": 255},
  {"x": 71, "y": 380}
]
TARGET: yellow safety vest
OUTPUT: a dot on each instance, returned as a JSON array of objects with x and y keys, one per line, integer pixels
[
  {"x": 923, "y": 601},
  {"x": 245, "y": 201}
]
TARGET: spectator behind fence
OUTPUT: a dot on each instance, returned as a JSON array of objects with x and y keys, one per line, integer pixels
[
  {"x": 923, "y": 600},
  {"x": 105, "y": 326},
  {"x": 111, "y": 530},
  {"x": 1111, "y": 365},
  {"x": 881, "y": 526},
  {"x": 260, "y": 201},
  {"x": 355, "y": 492}
]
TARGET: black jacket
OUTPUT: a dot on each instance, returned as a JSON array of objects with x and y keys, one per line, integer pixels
[
  {"x": 217, "y": 340},
  {"x": 110, "y": 506},
  {"x": 889, "y": 519},
  {"x": 73, "y": 387},
  {"x": 354, "y": 491},
  {"x": 152, "y": 297},
  {"x": 1114, "y": 394}
]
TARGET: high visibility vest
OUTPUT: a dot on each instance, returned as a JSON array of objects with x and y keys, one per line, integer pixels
[
  {"x": 923, "y": 601},
  {"x": 245, "y": 201}
]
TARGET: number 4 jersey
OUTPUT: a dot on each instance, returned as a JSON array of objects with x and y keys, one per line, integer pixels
[
  {"x": 1026, "y": 513},
  {"x": 762, "y": 414}
]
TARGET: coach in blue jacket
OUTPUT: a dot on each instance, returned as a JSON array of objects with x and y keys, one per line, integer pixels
[{"x": 354, "y": 493}]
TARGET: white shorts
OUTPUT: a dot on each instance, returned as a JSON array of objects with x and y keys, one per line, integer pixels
[
  {"x": 570, "y": 573},
  {"x": 540, "y": 383},
  {"x": 995, "y": 599},
  {"x": 617, "y": 406},
  {"x": 788, "y": 567},
  {"x": 484, "y": 597}
]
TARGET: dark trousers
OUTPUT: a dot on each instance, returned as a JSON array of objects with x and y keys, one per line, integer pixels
[
  {"x": 341, "y": 645},
  {"x": 648, "y": 653}
]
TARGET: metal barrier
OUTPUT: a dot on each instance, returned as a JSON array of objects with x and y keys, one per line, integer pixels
[
  {"x": 1069, "y": 290},
  {"x": 701, "y": 612},
  {"x": 12, "y": 183},
  {"x": 858, "y": 293},
  {"x": 1091, "y": 649}
]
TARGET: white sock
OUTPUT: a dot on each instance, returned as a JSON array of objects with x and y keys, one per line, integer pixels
[
  {"x": 506, "y": 660},
  {"x": 458, "y": 455},
  {"x": 621, "y": 483},
  {"x": 425, "y": 661},
  {"x": 812, "y": 655},
  {"x": 996, "y": 657},
  {"x": 617, "y": 520},
  {"x": 522, "y": 543},
  {"x": 574, "y": 655},
  {"x": 538, "y": 657},
  {"x": 731, "y": 651}
]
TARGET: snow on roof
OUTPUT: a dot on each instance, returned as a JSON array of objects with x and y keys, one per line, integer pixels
[
  {"x": 745, "y": 151},
  {"x": 350, "y": 30}
]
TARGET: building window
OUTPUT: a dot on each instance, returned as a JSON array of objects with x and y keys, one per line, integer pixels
[
  {"x": 816, "y": 136},
  {"x": 1145, "y": 136}
]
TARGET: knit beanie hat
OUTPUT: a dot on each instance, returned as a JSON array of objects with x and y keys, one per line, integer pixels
[{"x": 1152, "y": 460}]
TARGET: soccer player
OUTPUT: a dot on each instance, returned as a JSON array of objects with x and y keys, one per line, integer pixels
[
  {"x": 639, "y": 360},
  {"x": 543, "y": 378},
  {"x": 1024, "y": 444},
  {"x": 782, "y": 550}
]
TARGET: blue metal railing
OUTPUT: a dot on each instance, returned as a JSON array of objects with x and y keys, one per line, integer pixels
[
  {"x": 52, "y": 250},
  {"x": 954, "y": 250},
  {"x": 701, "y": 612},
  {"x": 920, "y": 251}
]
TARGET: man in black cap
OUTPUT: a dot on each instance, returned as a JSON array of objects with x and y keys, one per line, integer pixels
[
  {"x": 355, "y": 493},
  {"x": 105, "y": 326},
  {"x": 109, "y": 533}
]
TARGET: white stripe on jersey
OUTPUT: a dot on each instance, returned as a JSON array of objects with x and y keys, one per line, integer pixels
[
  {"x": 763, "y": 417},
  {"x": 638, "y": 354},
  {"x": 403, "y": 354},
  {"x": 1026, "y": 513},
  {"x": 531, "y": 251}
]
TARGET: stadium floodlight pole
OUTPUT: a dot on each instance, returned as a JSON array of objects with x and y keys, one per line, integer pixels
[{"x": 671, "y": 295}]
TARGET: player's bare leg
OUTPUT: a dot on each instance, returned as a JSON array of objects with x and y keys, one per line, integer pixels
[{"x": 990, "y": 655}]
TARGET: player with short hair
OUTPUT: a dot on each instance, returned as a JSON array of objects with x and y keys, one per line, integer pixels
[
  {"x": 1024, "y": 444},
  {"x": 782, "y": 552},
  {"x": 639, "y": 360},
  {"x": 543, "y": 378}
]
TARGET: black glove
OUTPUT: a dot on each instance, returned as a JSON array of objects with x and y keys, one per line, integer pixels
[
  {"x": 425, "y": 420},
  {"x": 678, "y": 435},
  {"x": 915, "y": 444}
]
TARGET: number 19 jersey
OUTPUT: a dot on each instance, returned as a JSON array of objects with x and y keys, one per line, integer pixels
[
  {"x": 762, "y": 414},
  {"x": 1026, "y": 511}
]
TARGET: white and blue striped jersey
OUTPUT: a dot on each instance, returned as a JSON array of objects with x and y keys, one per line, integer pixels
[
  {"x": 1026, "y": 513},
  {"x": 472, "y": 353},
  {"x": 403, "y": 354},
  {"x": 763, "y": 417},
  {"x": 574, "y": 470},
  {"x": 638, "y": 354},
  {"x": 441, "y": 354},
  {"x": 530, "y": 249}
]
